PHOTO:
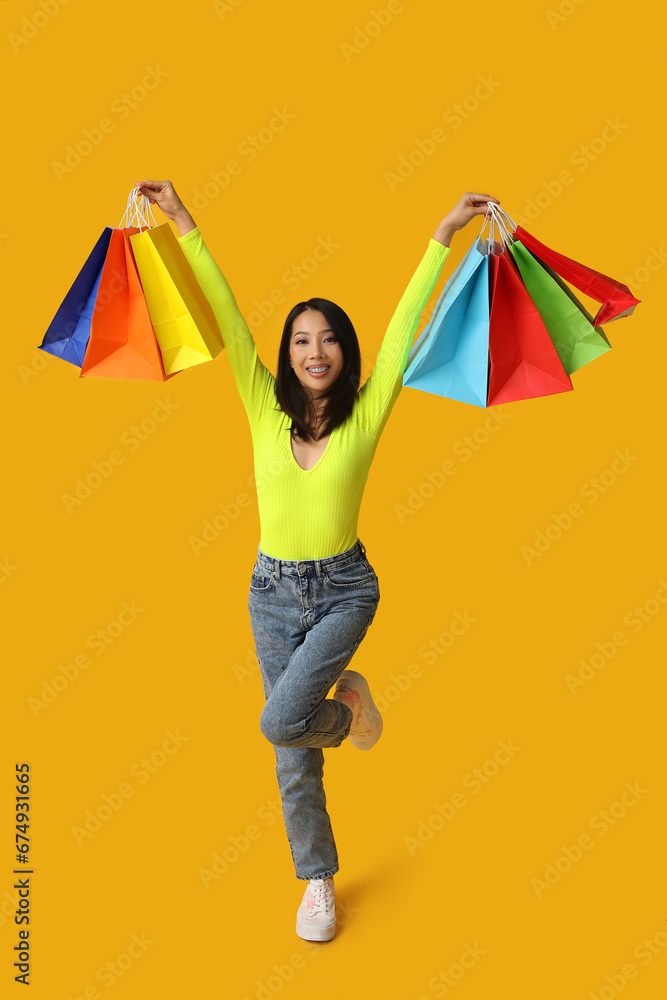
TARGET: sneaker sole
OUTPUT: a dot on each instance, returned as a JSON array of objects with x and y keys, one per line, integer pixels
[
  {"x": 310, "y": 933},
  {"x": 373, "y": 713}
]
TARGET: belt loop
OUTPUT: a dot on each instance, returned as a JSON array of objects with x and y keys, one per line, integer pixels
[
  {"x": 318, "y": 569},
  {"x": 363, "y": 548},
  {"x": 276, "y": 568}
]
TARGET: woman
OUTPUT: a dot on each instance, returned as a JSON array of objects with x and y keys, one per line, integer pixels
[{"x": 313, "y": 593}]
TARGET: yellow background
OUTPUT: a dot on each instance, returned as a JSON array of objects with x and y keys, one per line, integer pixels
[{"x": 184, "y": 665}]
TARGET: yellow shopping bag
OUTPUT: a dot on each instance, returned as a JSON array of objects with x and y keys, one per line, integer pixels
[{"x": 182, "y": 318}]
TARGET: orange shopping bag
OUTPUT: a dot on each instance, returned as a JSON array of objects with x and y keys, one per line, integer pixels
[{"x": 122, "y": 340}]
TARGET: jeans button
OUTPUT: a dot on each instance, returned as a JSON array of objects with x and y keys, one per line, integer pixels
[{"x": 302, "y": 567}]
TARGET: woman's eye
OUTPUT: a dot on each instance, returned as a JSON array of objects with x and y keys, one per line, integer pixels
[{"x": 302, "y": 341}]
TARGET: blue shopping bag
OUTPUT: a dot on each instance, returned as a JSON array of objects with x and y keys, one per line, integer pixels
[
  {"x": 451, "y": 357},
  {"x": 69, "y": 332}
]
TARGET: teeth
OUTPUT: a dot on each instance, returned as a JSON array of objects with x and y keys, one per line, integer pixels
[{"x": 323, "y": 369}]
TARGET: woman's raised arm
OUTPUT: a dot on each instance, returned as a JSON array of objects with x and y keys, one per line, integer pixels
[
  {"x": 381, "y": 389},
  {"x": 253, "y": 380}
]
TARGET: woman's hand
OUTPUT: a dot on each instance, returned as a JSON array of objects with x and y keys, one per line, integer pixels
[
  {"x": 466, "y": 209},
  {"x": 162, "y": 193}
]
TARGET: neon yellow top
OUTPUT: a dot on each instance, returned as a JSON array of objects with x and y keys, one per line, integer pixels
[{"x": 312, "y": 513}]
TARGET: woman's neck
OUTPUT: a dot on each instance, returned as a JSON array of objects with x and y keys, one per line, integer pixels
[{"x": 317, "y": 415}]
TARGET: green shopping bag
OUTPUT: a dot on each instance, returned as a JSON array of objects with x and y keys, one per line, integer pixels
[{"x": 569, "y": 325}]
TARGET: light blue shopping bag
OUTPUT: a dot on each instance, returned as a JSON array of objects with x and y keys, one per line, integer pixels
[{"x": 451, "y": 357}]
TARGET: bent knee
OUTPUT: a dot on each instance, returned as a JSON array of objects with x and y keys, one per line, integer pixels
[{"x": 278, "y": 729}]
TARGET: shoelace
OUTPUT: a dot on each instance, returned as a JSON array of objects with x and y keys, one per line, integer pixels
[{"x": 321, "y": 890}]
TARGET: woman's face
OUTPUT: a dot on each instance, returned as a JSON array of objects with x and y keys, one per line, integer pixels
[{"x": 315, "y": 353}]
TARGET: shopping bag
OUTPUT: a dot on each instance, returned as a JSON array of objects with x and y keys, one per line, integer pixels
[
  {"x": 184, "y": 323},
  {"x": 69, "y": 331},
  {"x": 568, "y": 291},
  {"x": 450, "y": 358},
  {"x": 122, "y": 340},
  {"x": 527, "y": 304},
  {"x": 617, "y": 299},
  {"x": 569, "y": 325},
  {"x": 524, "y": 364}
]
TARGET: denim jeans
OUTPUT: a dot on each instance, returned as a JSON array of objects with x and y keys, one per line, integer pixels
[{"x": 308, "y": 618}]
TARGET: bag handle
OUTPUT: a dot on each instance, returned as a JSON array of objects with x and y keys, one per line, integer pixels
[
  {"x": 505, "y": 234},
  {"x": 504, "y": 221},
  {"x": 498, "y": 219},
  {"x": 137, "y": 212},
  {"x": 488, "y": 217},
  {"x": 490, "y": 246}
]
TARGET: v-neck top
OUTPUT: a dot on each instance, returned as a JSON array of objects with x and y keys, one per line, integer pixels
[{"x": 312, "y": 513}]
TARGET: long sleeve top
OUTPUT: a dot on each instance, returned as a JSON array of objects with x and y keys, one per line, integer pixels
[{"x": 312, "y": 513}]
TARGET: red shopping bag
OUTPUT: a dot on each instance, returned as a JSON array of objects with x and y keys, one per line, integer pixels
[
  {"x": 523, "y": 361},
  {"x": 122, "y": 340},
  {"x": 617, "y": 299}
]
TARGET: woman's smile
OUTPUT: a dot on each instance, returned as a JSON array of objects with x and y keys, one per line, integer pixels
[{"x": 315, "y": 352}]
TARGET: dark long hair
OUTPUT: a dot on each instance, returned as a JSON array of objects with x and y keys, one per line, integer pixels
[{"x": 340, "y": 397}]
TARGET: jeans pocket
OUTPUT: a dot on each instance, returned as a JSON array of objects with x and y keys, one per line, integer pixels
[
  {"x": 357, "y": 573},
  {"x": 261, "y": 580}
]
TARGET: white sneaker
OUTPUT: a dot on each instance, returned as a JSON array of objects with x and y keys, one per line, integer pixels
[
  {"x": 366, "y": 728},
  {"x": 316, "y": 916}
]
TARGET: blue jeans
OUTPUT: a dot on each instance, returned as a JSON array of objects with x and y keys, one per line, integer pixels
[{"x": 308, "y": 618}]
